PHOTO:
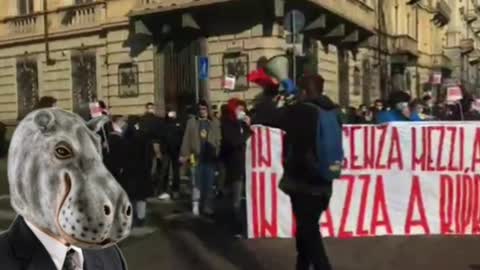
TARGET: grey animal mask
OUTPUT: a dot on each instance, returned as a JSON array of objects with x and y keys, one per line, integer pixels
[{"x": 59, "y": 183}]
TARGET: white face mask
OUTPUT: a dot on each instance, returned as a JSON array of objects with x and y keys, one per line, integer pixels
[
  {"x": 172, "y": 114},
  {"x": 241, "y": 115}
]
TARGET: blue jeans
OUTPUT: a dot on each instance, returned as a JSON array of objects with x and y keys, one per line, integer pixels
[{"x": 203, "y": 184}]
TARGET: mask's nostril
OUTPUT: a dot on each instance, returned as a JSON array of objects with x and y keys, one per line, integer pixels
[
  {"x": 106, "y": 209},
  {"x": 129, "y": 211}
]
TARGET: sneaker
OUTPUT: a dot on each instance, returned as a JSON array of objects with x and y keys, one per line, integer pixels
[
  {"x": 164, "y": 197},
  {"x": 196, "y": 209}
]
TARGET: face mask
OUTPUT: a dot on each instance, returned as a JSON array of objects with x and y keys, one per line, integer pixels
[
  {"x": 241, "y": 115},
  {"x": 172, "y": 114}
]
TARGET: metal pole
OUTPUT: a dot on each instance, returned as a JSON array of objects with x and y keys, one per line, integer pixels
[
  {"x": 294, "y": 51},
  {"x": 45, "y": 31},
  {"x": 197, "y": 85}
]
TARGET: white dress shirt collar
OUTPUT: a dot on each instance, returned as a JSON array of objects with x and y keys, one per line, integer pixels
[{"x": 55, "y": 248}]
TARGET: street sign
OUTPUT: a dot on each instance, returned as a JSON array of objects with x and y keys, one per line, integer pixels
[
  {"x": 294, "y": 21},
  {"x": 203, "y": 68}
]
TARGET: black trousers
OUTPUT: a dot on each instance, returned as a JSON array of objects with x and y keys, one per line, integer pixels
[
  {"x": 310, "y": 249},
  {"x": 170, "y": 161}
]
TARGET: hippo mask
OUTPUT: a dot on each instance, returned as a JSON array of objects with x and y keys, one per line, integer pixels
[{"x": 59, "y": 183}]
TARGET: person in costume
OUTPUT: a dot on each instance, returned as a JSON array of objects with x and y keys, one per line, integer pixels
[{"x": 71, "y": 210}]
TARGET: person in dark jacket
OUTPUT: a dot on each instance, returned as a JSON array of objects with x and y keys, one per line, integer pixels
[
  {"x": 152, "y": 126},
  {"x": 235, "y": 126},
  {"x": 136, "y": 171},
  {"x": 399, "y": 102},
  {"x": 115, "y": 160},
  {"x": 173, "y": 130},
  {"x": 309, "y": 195},
  {"x": 463, "y": 110}
]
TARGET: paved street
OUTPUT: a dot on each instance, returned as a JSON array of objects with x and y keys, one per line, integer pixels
[
  {"x": 175, "y": 240},
  {"x": 179, "y": 241}
]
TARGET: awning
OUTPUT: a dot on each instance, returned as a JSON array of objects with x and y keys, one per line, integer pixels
[{"x": 173, "y": 6}]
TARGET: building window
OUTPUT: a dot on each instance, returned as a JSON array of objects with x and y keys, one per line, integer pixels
[
  {"x": 25, "y": 7},
  {"x": 84, "y": 80},
  {"x": 27, "y": 85},
  {"x": 128, "y": 80},
  {"x": 235, "y": 67}
]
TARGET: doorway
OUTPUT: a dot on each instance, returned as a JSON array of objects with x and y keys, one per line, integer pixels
[{"x": 175, "y": 73}]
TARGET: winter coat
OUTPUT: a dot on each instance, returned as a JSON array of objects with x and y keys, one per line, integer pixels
[
  {"x": 299, "y": 121},
  {"x": 266, "y": 112},
  {"x": 234, "y": 137},
  {"x": 191, "y": 139},
  {"x": 396, "y": 116},
  {"x": 116, "y": 159},
  {"x": 136, "y": 171},
  {"x": 174, "y": 130}
]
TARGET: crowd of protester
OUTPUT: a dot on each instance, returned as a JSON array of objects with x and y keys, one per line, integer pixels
[
  {"x": 425, "y": 108},
  {"x": 146, "y": 154}
]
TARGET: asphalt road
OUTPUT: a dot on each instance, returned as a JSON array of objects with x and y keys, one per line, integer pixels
[{"x": 175, "y": 240}]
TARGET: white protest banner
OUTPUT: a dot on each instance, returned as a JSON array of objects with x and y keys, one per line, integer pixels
[{"x": 398, "y": 179}]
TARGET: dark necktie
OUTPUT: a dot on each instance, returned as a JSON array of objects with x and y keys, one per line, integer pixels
[{"x": 69, "y": 263}]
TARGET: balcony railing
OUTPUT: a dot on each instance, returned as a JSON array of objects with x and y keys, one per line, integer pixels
[
  {"x": 474, "y": 57},
  {"x": 405, "y": 44},
  {"x": 470, "y": 16},
  {"x": 442, "y": 13},
  {"x": 65, "y": 18},
  {"x": 24, "y": 25},
  {"x": 467, "y": 45},
  {"x": 81, "y": 15}
]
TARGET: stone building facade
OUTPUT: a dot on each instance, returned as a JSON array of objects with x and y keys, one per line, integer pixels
[{"x": 129, "y": 52}]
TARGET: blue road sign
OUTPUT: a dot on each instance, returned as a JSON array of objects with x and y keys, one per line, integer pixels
[{"x": 204, "y": 67}]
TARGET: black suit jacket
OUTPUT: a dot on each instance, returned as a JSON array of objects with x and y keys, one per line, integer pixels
[{"x": 21, "y": 250}]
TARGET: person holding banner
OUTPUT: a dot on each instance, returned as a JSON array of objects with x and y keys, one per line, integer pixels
[
  {"x": 309, "y": 195},
  {"x": 235, "y": 132}
]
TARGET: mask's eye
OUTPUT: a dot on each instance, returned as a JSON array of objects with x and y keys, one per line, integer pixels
[{"x": 63, "y": 151}]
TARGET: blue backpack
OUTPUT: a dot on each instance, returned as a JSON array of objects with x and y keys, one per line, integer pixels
[{"x": 329, "y": 148}]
